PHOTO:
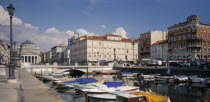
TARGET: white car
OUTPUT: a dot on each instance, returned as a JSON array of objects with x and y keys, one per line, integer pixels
[{"x": 187, "y": 64}]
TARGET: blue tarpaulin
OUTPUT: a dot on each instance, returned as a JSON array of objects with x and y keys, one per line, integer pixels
[
  {"x": 68, "y": 82},
  {"x": 126, "y": 72},
  {"x": 113, "y": 84},
  {"x": 82, "y": 80}
]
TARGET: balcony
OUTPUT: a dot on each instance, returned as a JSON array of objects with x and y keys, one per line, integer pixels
[
  {"x": 194, "y": 39},
  {"x": 194, "y": 46}
]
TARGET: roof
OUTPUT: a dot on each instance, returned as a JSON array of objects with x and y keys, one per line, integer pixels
[
  {"x": 27, "y": 42},
  {"x": 178, "y": 25},
  {"x": 104, "y": 37},
  {"x": 159, "y": 42},
  {"x": 125, "y": 39},
  {"x": 59, "y": 46},
  {"x": 113, "y": 35}
]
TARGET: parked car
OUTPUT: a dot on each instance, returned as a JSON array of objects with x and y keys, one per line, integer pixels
[
  {"x": 173, "y": 64},
  {"x": 180, "y": 64},
  {"x": 186, "y": 64},
  {"x": 103, "y": 62},
  {"x": 194, "y": 63},
  {"x": 150, "y": 64}
]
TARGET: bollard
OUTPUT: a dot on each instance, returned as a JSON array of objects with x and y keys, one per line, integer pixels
[{"x": 41, "y": 76}]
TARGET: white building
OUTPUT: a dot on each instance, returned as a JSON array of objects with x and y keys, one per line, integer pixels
[
  {"x": 57, "y": 52},
  {"x": 29, "y": 52},
  {"x": 108, "y": 47},
  {"x": 159, "y": 50}
]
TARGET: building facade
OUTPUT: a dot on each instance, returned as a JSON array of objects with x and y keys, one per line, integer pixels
[
  {"x": 4, "y": 53},
  {"x": 57, "y": 53},
  {"x": 48, "y": 57},
  {"x": 66, "y": 55},
  {"x": 29, "y": 52},
  {"x": 109, "y": 47},
  {"x": 147, "y": 39},
  {"x": 43, "y": 57},
  {"x": 189, "y": 40},
  {"x": 159, "y": 50}
]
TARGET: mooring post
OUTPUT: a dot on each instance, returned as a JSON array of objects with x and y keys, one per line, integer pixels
[{"x": 41, "y": 75}]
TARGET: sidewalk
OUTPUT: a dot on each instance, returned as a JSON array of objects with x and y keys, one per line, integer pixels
[
  {"x": 8, "y": 91},
  {"x": 27, "y": 89}
]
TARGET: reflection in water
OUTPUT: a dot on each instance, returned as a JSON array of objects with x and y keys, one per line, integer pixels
[{"x": 182, "y": 92}]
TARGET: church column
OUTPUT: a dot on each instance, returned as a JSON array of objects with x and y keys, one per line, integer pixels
[
  {"x": 31, "y": 60},
  {"x": 28, "y": 58},
  {"x": 35, "y": 59}
]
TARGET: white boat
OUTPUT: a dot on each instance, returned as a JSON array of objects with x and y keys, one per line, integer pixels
[
  {"x": 89, "y": 86},
  {"x": 102, "y": 98},
  {"x": 149, "y": 77},
  {"x": 181, "y": 78},
  {"x": 198, "y": 80}
]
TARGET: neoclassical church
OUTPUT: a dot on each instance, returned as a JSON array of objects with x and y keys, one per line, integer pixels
[{"x": 29, "y": 52}]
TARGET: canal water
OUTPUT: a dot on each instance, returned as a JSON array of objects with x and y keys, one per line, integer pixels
[{"x": 179, "y": 92}]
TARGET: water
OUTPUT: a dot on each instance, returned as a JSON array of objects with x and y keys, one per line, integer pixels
[{"x": 181, "y": 92}]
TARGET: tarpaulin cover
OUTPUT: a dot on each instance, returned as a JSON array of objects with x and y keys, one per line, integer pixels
[
  {"x": 126, "y": 72},
  {"x": 82, "y": 80},
  {"x": 113, "y": 84},
  {"x": 68, "y": 82}
]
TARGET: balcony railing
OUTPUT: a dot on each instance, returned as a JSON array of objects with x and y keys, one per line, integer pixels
[{"x": 194, "y": 45}]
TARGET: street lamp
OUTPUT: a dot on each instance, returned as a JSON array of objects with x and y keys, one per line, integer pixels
[{"x": 11, "y": 10}]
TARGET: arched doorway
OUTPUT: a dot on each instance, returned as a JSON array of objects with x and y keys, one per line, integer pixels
[{"x": 205, "y": 57}]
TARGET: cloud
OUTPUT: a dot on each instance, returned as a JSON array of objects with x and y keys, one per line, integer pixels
[
  {"x": 5, "y": 19},
  {"x": 30, "y": 26},
  {"x": 70, "y": 33},
  {"x": 82, "y": 31},
  {"x": 103, "y": 26},
  {"x": 120, "y": 31},
  {"x": 52, "y": 30}
]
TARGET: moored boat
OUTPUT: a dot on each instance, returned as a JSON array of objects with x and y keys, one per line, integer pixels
[
  {"x": 181, "y": 78},
  {"x": 102, "y": 98}
]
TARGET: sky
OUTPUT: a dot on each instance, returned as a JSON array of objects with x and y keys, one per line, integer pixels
[{"x": 49, "y": 23}]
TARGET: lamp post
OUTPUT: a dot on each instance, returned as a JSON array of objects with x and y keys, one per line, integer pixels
[{"x": 11, "y": 10}]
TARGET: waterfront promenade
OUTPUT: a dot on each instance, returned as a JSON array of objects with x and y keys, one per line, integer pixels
[{"x": 27, "y": 89}]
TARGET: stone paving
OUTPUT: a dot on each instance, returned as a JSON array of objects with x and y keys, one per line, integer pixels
[
  {"x": 27, "y": 89},
  {"x": 8, "y": 91}
]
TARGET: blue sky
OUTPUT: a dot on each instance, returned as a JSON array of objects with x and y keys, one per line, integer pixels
[{"x": 105, "y": 16}]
